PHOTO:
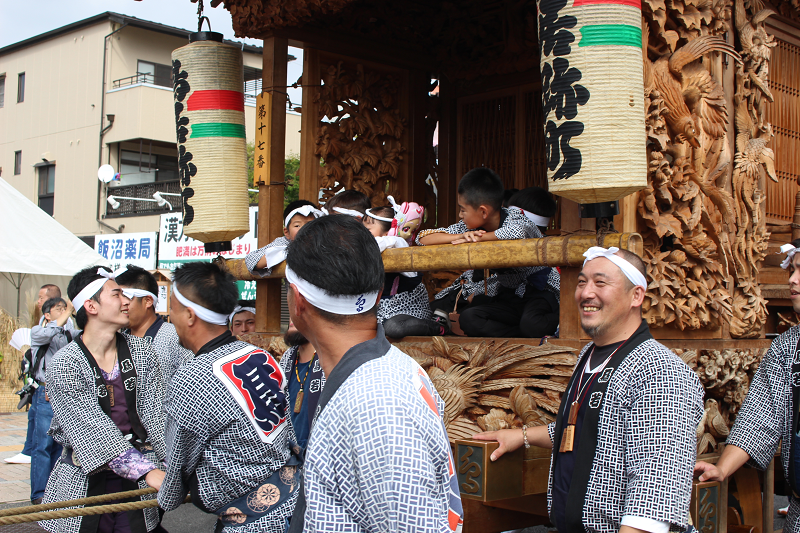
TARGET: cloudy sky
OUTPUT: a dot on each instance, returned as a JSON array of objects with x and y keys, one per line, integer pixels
[{"x": 21, "y": 19}]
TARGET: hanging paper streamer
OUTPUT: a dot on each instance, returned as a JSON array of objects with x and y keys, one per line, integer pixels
[
  {"x": 212, "y": 153},
  {"x": 593, "y": 98}
]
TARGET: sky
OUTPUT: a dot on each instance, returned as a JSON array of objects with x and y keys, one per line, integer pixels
[{"x": 21, "y": 19}]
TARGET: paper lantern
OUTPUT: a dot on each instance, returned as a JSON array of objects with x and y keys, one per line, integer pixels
[
  {"x": 593, "y": 98},
  {"x": 212, "y": 152}
]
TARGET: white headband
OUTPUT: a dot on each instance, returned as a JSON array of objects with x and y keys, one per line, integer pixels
[
  {"x": 338, "y": 305},
  {"x": 94, "y": 287},
  {"x": 630, "y": 271},
  {"x": 206, "y": 315},
  {"x": 376, "y": 217},
  {"x": 238, "y": 309},
  {"x": 351, "y": 212},
  {"x": 131, "y": 293},
  {"x": 304, "y": 210},
  {"x": 533, "y": 217},
  {"x": 789, "y": 250}
]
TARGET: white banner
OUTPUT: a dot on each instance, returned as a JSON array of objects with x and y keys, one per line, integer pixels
[
  {"x": 175, "y": 248},
  {"x": 128, "y": 249}
]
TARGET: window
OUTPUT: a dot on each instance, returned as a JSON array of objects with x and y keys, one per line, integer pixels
[
  {"x": 17, "y": 163},
  {"x": 21, "y": 87},
  {"x": 154, "y": 73},
  {"x": 47, "y": 187},
  {"x": 136, "y": 168},
  {"x": 2, "y": 90}
]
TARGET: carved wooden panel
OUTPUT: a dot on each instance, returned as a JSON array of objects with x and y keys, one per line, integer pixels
[{"x": 784, "y": 115}]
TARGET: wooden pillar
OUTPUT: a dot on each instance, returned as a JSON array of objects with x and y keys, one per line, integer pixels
[
  {"x": 309, "y": 161},
  {"x": 271, "y": 187},
  {"x": 768, "y": 499},
  {"x": 415, "y": 188}
]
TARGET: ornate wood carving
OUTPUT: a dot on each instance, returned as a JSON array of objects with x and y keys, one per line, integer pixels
[{"x": 360, "y": 130}]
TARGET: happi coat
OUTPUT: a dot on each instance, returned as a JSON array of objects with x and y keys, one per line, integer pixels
[
  {"x": 378, "y": 457},
  {"x": 171, "y": 354},
  {"x": 638, "y": 443},
  {"x": 252, "y": 259},
  {"x": 765, "y": 418},
  {"x": 213, "y": 445},
  {"x": 88, "y": 435},
  {"x": 513, "y": 225}
]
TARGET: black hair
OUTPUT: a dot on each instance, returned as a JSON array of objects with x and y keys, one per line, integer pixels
[
  {"x": 294, "y": 205},
  {"x": 507, "y": 194},
  {"x": 385, "y": 211},
  {"x": 536, "y": 200},
  {"x": 207, "y": 285},
  {"x": 79, "y": 282},
  {"x": 796, "y": 243},
  {"x": 138, "y": 278},
  {"x": 351, "y": 199},
  {"x": 51, "y": 303},
  {"x": 481, "y": 186},
  {"x": 340, "y": 256},
  {"x": 51, "y": 290}
]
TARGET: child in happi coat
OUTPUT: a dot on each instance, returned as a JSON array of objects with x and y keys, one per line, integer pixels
[
  {"x": 296, "y": 215},
  {"x": 403, "y": 309},
  {"x": 494, "y": 306}
]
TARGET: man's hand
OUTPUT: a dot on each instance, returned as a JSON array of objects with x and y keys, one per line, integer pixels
[
  {"x": 468, "y": 236},
  {"x": 509, "y": 439},
  {"x": 154, "y": 478},
  {"x": 708, "y": 472}
]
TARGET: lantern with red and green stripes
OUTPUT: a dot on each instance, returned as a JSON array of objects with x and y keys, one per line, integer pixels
[
  {"x": 212, "y": 153},
  {"x": 593, "y": 98}
]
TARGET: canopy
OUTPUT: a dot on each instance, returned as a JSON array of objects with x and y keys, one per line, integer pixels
[{"x": 32, "y": 242}]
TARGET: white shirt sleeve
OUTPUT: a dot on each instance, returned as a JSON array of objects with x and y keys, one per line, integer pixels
[{"x": 646, "y": 524}]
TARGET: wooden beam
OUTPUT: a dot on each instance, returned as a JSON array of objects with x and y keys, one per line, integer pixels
[
  {"x": 550, "y": 251},
  {"x": 271, "y": 191},
  {"x": 309, "y": 122}
]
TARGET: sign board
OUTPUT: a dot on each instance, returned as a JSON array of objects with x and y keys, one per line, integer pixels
[
  {"x": 128, "y": 249},
  {"x": 175, "y": 248}
]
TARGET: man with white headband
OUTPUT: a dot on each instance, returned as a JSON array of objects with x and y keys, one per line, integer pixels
[
  {"x": 243, "y": 318},
  {"x": 378, "y": 457},
  {"x": 107, "y": 392},
  {"x": 141, "y": 288},
  {"x": 624, "y": 442},
  {"x": 229, "y": 439},
  {"x": 295, "y": 216},
  {"x": 769, "y": 416}
]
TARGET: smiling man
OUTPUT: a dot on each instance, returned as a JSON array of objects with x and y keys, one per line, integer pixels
[
  {"x": 624, "y": 439},
  {"x": 769, "y": 415}
]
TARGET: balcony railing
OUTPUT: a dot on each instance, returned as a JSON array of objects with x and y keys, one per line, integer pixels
[
  {"x": 162, "y": 81},
  {"x": 132, "y": 208}
]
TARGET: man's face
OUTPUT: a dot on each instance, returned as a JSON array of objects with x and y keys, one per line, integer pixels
[
  {"x": 473, "y": 217},
  {"x": 603, "y": 295},
  {"x": 55, "y": 312},
  {"x": 42, "y": 298},
  {"x": 297, "y": 222},
  {"x": 794, "y": 282},
  {"x": 243, "y": 322},
  {"x": 138, "y": 310},
  {"x": 112, "y": 305}
]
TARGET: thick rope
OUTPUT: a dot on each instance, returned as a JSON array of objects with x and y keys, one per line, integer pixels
[
  {"x": 28, "y": 509},
  {"x": 82, "y": 511}
]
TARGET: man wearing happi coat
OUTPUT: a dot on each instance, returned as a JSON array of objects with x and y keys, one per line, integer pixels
[
  {"x": 228, "y": 434},
  {"x": 624, "y": 441},
  {"x": 769, "y": 415}
]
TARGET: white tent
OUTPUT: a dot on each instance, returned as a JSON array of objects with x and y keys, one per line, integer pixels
[{"x": 32, "y": 242}]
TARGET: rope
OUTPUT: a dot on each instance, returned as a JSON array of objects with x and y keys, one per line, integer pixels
[
  {"x": 82, "y": 501},
  {"x": 82, "y": 511}
]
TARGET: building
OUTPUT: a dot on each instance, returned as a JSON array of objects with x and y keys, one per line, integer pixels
[{"x": 99, "y": 91}]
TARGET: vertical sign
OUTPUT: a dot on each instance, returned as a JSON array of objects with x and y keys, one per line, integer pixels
[{"x": 261, "y": 157}]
